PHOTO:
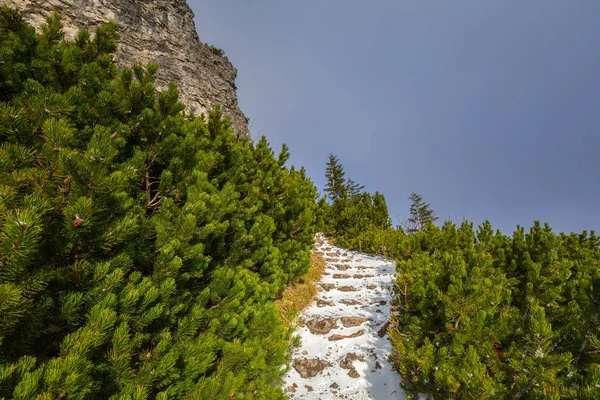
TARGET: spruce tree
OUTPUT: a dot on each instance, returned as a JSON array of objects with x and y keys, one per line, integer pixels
[
  {"x": 353, "y": 189},
  {"x": 335, "y": 185},
  {"x": 421, "y": 214},
  {"x": 357, "y": 219}
]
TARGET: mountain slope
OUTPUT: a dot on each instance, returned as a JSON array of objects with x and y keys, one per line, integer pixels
[{"x": 162, "y": 31}]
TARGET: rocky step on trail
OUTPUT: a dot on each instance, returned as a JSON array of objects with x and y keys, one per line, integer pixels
[{"x": 344, "y": 344}]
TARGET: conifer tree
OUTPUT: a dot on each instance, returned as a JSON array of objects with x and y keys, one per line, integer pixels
[
  {"x": 140, "y": 249},
  {"x": 353, "y": 189},
  {"x": 335, "y": 186},
  {"x": 484, "y": 315},
  {"x": 421, "y": 214},
  {"x": 358, "y": 220}
]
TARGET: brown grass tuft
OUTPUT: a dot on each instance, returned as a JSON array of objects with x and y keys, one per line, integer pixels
[
  {"x": 330, "y": 240},
  {"x": 298, "y": 296}
]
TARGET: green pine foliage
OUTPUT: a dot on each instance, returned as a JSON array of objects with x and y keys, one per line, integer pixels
[
  {"x": 141, "y": 248},
  {"x": 421, "y": 214},
  {"x": 357, "y": 219},
  {"x": 477, "y": 314},
  {"x": 353, "y": 220},
  {"x": 336, "y": 186},
  {"x": 484, "y": 315}
]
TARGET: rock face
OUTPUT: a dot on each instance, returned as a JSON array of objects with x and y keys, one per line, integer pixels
[{"x": 162, "y": 31}]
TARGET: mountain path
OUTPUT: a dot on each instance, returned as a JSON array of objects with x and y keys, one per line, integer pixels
[{"x": 344, "y": 347}]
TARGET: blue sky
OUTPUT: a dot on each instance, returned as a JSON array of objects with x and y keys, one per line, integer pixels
[{"x": 488, "y": 109}]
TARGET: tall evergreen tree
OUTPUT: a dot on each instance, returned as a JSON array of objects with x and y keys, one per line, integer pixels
[
  {"x": 353, "y": 189},
  {"x": 420, "y": 214},
  {"x": 357, "y": 219},
  {"x": 335, "y": 185}
]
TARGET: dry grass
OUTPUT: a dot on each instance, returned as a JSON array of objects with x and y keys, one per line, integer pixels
[
  {"x": 330, "y": 240},
  {"x": 297, "y": 297}
]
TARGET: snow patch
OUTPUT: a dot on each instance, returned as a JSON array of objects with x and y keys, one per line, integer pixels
[{"x": 367, "y": 373}]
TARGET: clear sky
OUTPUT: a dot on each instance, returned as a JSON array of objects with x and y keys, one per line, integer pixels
[{"x": 488, "y": 109}]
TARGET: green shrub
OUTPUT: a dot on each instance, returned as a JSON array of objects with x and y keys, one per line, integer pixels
[
  {"x": 356, "y": 219},
  {"x": 217, "y": 51},
  {"x": 141, "y": 249},
  {"x": 478, "y": 314},
  {"x": 483, "y": 315}
]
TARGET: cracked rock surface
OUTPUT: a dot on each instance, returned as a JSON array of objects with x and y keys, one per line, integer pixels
[{"x": 162, "y": 31}]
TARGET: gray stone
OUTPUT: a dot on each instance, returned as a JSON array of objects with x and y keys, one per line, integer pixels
[{"x": 162, "y": 31}]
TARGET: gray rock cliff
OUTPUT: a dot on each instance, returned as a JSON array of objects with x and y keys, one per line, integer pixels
[{"x": 154, "y": 30}]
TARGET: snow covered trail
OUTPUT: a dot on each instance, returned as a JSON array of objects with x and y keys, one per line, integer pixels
[{"x": 344, "y": 351}]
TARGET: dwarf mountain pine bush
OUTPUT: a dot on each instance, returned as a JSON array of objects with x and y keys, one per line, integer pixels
[{"x": 141, "y": 248}]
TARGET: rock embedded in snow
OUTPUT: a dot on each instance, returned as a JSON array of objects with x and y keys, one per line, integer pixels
[
  {"x": 350, "y": 302},
  {"x": 350, "y": 322},
  {"x": 323, "y": 326},
  {"x": 341, "y": 276},
  {"x": 327, "y": 286},
  {"x": 383, "y": 330},
  {"x": 337, "y": 336},
  {"x": 346, "y": 363},
  {"x": 347, "y": 289},
  {"x": 353, "y": 374},
  {"x": 324, "y": 303},
  {"x": 309, "y": 367},
  {"x": 362, "y": 276}
]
